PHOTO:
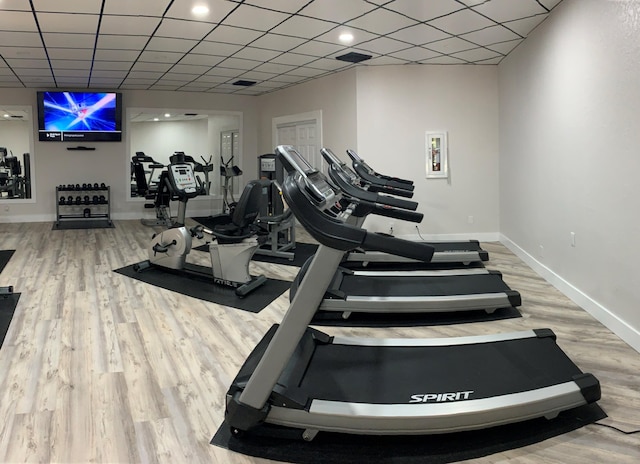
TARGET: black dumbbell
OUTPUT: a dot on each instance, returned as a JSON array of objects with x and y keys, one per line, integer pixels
[
  {"x": 103, "y": 200},
  {"x": 78, "y": 187},
  {"x": 78, "y": 200},
  {"x": 96, "y": 200},
  {"x": 96, "y": 186},
  {"x": 69, "y": 200},
  {"x": 103, "y": 186},
  {"x": 87, "y": 200},
  {"x": 62, "y": 200}
]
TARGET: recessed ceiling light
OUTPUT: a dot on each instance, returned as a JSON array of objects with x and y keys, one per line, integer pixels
[
  {"x": 156, "y": 119},
  {"x": 346, "y": 37},
  {"x": 167, "y": 115},
  {"x": 200, "y": 10},
  {"x": 6, "y": 116}
]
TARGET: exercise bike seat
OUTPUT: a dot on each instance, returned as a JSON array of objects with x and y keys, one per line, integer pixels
[{"x": 240, "y": 224}]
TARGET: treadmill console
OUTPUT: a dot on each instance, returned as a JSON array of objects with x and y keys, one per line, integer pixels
[
  {"x": 183, "y": 180},
  {"x": 316, "y": 187},
  {"x": 332, "y": 159}
]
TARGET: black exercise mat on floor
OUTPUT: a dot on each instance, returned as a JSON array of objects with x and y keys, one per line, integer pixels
[
  {"x": 8, "y": 305},
  {"x": 302, "y": 252},
  {"x": 83, "y": 224},
  {"x": 5, "y": 256},
  {"x": 333, "y": 448},
  {"x": 357, "y": 319},
  {"x": 203, "y": 288}
]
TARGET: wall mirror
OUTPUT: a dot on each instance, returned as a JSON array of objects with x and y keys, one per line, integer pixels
[
  {"x": 212, "y": 138},
  {"x": 16, "y": 153}
]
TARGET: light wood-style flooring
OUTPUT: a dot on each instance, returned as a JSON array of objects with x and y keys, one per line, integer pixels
[{"x": 98, "y": 367}]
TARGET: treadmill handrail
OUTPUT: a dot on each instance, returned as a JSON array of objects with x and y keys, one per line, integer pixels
[{"x": 354, "y": 156}]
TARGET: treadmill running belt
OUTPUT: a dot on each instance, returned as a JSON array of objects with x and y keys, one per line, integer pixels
[
  {"x": 455, "y": 246},
  {"x": 357, "y": 285},
  {"x": 388, "y": 375}
]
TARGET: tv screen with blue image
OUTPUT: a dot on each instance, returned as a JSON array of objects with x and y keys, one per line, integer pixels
[{"x": 79, "y": 116}]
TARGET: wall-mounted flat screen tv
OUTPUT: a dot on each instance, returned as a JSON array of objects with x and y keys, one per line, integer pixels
[{"x": 79, "y": 116}]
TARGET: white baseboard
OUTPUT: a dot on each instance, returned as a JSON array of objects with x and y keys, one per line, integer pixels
[
  {"x": 618, "y": 326},
  {"x": 13, "y": 219}
]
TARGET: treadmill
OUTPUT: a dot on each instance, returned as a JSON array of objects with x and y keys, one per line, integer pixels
[
  {"x": 408, "y": 290},
  {"x": 305, "y": 381},
  {"x": 461, "y": 251},
  {"x": 464, "y": 252}
]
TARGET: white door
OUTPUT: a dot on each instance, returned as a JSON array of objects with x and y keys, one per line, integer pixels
[{"x": 303, "y": 137}]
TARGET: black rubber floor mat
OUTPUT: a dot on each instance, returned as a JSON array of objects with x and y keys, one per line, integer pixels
[
  {"x": 8, "y": 305},
  {"x": 5, "y": 256},
  {"x": 203, "y": 288},
  {"x": 334, "y": 448}
]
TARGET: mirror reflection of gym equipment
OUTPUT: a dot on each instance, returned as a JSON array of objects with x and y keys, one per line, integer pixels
[{"x": 14, "y": 183}]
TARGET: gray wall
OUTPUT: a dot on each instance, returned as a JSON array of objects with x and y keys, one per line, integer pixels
[{"x": 569, "y": 139}]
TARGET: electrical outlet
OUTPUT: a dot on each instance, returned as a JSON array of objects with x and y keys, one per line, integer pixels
[
  {"x": 573, "y": 239},
  {"x": 391, "y": 224},
  {"x": 541, "y": 250},
  {"x": 469, "y": 219}
]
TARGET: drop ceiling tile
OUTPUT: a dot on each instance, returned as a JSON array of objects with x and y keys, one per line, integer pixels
[
  {"x": 384, "y": 45},
  {"x": 190, "y": 69},
  {"x": 70, "y": 53},
  {"x": 505, "y": 47},
  {"x": 239, "y": 63},
  {"x": 160, "y": 57},
  {"x": 491, "y": 61},
  {"x": 17, "y": 5},
  {"x": 329, "y": 64},
  {"x": 133, "y": 87},
  {"x": 233, "y": 35},
  {"x": 164, "y": 81},
  {"x": 34, "y": 53},
  {"x": 117, "y": 55},
  {"x": 216, "y": 48},
  {"x": 104, "y": 81},
  {"x": 524, "y": 26},
  {"x": 277, "y": 42},
  {"x": 65, "y": 40},
  {"x": 337, "y": 11},
  {"x": 140, "y": 81},
  {"x": 195, "y": 87},
  {"x": 5, "y": 71},
  {"x": 359, "y": 36},
  {"x": 285, "y": 78},
  {"x": 462, "y": 22},
  {"x": 72, "y": 73},
  {"x": 443, "y": 60},
  {"x": 257, "y": 76},
  {"x": 384, "y": 61},
  {"x": 300, "y": 26},
  {"x": 202, "y": 60},
  {"x": 294, "y": 59},
  {"x": 163, "y": 87},
  {"x": 12, "y": 80},
  {"x": 419, "y": 34},
  {"x": 17, "y": 21},
  {"x": 317, "y": 48},
  {"x": 122, "y": 42},
  {"x": 286, "y": 6},
  {"x": 451, "y": 45},
  {"x": 112, "y": 65},
  {"x": 490, "y": 35},
  {"x": 211, "y": 79},
  {"x": 382, "y": 21},
  {"x": 128, "y": 25},
  {"x": 25, "y": 63},
  {"x": 68, "y": 6},
  {"x": 272, "y": 84},
  {"x": 65, "y": 22},
  {"x": 252, "y": 17},
  {"x": 415, "y": 54},
  {"x": 476, "y": 54},
  {"x": 161, "y": 67},
  {"x": 508, "y": 10},
  {"x": 70, "y": 64},
  {"x": 248, "y": 91},
  {"x": 218, "y": 9},
  {"x": 550, "y": 4},
  {"x": 182, "y": 29},
  {"x": 35, "y": 78},
  {"x": 100, "y": 74},
  {"x": 274, "y": 68},
  {"x": 307, "y": 72},
  {"x": 135, "y": 74},
  {"x": 224, "y": 72},
  {"x": 71, "y": 81},
  {"x": 472, "y": 2},
  {"x": 136, "y": 8},
  {"x": 33, "y": 72},
  {"x": 20, "y": 39},
  {"x": 179, "y": 77},
  {"x": 258, "y": 54},
  {"x": 424, "y": 11}
]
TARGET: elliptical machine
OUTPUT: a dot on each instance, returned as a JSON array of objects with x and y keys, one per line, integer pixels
[{"x": 234, "y": 235}]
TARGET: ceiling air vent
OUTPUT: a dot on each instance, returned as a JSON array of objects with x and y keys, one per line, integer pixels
[
  {"x": 353, "y": 57},
  {"x": 244, "y": 83}
]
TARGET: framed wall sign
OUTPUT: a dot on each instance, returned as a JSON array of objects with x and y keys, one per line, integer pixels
[{"x": 437, "y": 155}]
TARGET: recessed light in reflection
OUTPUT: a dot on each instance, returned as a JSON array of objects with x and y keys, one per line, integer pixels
[
  {"x": 200, "y": 10},
  {"x": 167, "y": 115}
]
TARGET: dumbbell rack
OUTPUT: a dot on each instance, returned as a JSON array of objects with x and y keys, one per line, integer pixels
[{"x": 83, "y": 202}]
